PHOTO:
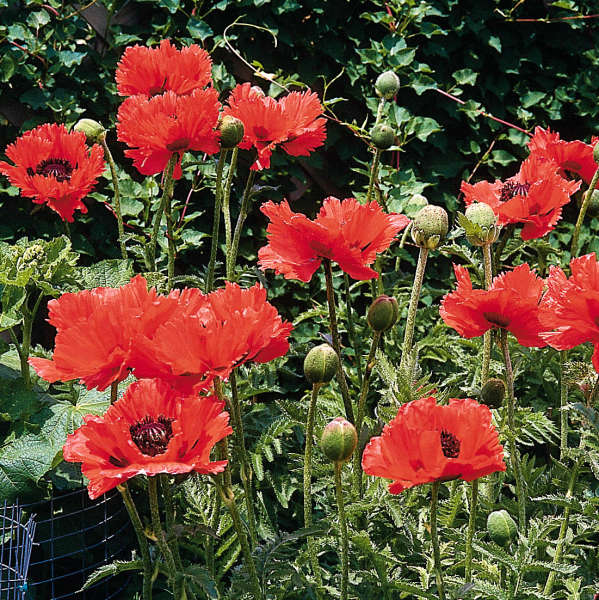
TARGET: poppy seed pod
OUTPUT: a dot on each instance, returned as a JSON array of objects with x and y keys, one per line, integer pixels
[
  {"x": 94, "y": 131},
  {"x": 231, "y": 131},
  {"x": 339, "y": 440},
  {"x": 383, "y": 313},
  {"x": 321, "y": 364},
  {"x": 501, "y": 527},
  {"x": 480, "y": 224},
  {"x": 382, "y": 136},
  {"x": 387, "y": 85},
  {"x": 481, "y": 214},
  {"x": 430, "y": 226},
  {"x": 492, "y": 393},
  {"x": 596, "y": 153}
]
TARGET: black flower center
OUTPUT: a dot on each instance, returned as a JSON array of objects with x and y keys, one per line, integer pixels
[
  {"x": 261, "y": 133},
  {"x": 513, "y": 188},
  {"x": 496, "y": 319},
  {"x": 151, "y": 435},
  {"x": 450, "y": 444},
  {"x": 178, "y": 145},
  {"x": 59, "y": 168}
]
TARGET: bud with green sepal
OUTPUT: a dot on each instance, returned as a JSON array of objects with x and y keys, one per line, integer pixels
[
  {"x": 94, "y": 131},
  {"x": 231, "y": 132},
  {"x": 501, "y": 527},
  {"x": 492, "y": 393},
  {"x": 321, "y": 364},
  {"x": 387, "y": 85},
  {"x": 383, "y": 313},
  {"x": 596, "y": 153},
  {"x": 382, "y": 136},
  {"x": 480, "y": 224},
  {"x": 339, "y": 440},
  {"x": 430, "y": 226}
]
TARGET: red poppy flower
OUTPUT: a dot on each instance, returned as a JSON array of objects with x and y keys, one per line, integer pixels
[
  {"x": 294, "y": 122},
  {"x": 346, "y": 232},
  {"x": 151, "y": 71},
  {"x": 161, "y": 126},
  {"x": 575, "y": 157},
  {"x": 533, "y": 197},
  {"x": 54, "y": 167},
  {"x": 426, "y": 442},
  {"x": 233, "y": 326},
  {"x": 570, "y": 308},
  {"x": 97, "y": 331},
  {"x": 152, "y": 429},
  {"x": 512, "y": 303}
]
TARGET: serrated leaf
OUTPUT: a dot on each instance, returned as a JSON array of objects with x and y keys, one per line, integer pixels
[
  {"x": 106, "y": 273},
  {"x": 112, "y": 569}
]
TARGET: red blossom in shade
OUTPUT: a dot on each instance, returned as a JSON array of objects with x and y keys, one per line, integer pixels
[
  {"x": 233, "y": 326},
  {"x": 575, "y": 157},
  {"x": 570, "y": 308},
  {"x": 294, "y": 122},
  {"x": 426, "y": 442},
  {"x": 511, "y": 303},
  {"x": 54, "y": 167},
  {"x": 346, "y": 232},
  {"x": 534, "y": 197},
  {"x": 151, "y": 71},
  {"x": 152, "y": 429},
  {"x": 161, "y": 126}
]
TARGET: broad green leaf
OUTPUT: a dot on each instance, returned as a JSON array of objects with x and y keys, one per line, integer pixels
[{"x": 106, "y": 273}]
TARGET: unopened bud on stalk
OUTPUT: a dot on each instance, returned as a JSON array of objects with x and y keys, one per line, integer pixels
[
  {"x": 480, "y": 224},
  {"x": 231, "y": 132},
  {"x": 593, "y": 208},
  {"x": 339, "y": 440},
  {"x": 321, "y": 364},
  {"x": 387, "y": 85},
  {"x": 94, "y": 131},
  {"x": 501, "y": 527},
  {"x": 430, "y": 226},
  {"x": 492, "y": 393},
  {"x": 596, "y": 153},
  {"x": 383, "y": 313},
  {"x": 382, "y": 136}
]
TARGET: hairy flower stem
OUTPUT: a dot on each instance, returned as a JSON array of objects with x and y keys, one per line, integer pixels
[
  {"x": 374, "y": 172},
  {"x": 243, "y": 213},
  {"x": 357, "y": 458},
  {"x": 488, "y": 263},
  {"x": 117, "y": 196},
  {"x": 343, "y": 530},
  {"x": 141, "y": 540},
  {"x": 586, "y": 199},
  {"x": 227, "y": 197},
  {"x": 471, "y": 529},
  {"x": 25, "y": 346},
  {"x": 308, "y": 481},
  {"x": 503, "y": 240},
  {"x": 214, "y": 523},
  {"x": 218, "y": 198},
  {"x": 563, "y": 401},
  {"x": 169, "y": 511},
  {"x": 170, "y": 231},
  {"x": 414, "y": 298},
  {"x": 435, "y": 540},
  {"x": 328, "y": 274},
  {"x": 511, "y": 430},
  {"x": 350, "y": 327}
]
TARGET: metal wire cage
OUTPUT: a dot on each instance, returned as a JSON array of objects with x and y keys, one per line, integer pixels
[
  {"x": 15, "y": 551},
  {"x": 74, "y": 536}
]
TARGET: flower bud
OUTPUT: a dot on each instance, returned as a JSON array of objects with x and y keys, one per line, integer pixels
[
  {"x": 596, "y": 153},
  {"x": 383, "y": 313},
  {"x": 93, "y": 130},
  {"x": 501, "y": 527},
  {"x": 480, "y": 224},
  {"x": 492, "y": 393},
  {"x": 382, "y": 136},
  {"x": 321, "y": 364},
  {"x": 387, "y": 85},
  {"x": 231, "y": 132},
  {"x": 481, "y": 214},
  {"x": 593, "y": 208},
  {"x": 339, "y": 440},
  {"x": 430, "y": 226}
]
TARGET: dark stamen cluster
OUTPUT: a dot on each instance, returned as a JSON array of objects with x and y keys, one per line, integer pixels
[
  {"x": 59, "y": 168},
  {"x": 450, "y": 444},
  {"x": 513, "y": 188},
  {"x": 151, "y": 435}
]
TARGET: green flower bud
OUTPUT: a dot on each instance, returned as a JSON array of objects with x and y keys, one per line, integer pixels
[
  {"x": 480, "y": 224},
  {"x": 339, "y": 440},
  {"x": 501, "y": 527},
  {"x": 593, "y": 208},
  {"x": 382, "y": 136},
  {"x": 383, "y": 313},
  {"x": 430, "y": 226},
  {"x": 321, "y": 364},
  {"x": 94, "y": 132},
  {"x": 596, "y": 153},
  {"x": 387, "y": 85},
  {"x": 481, "y": 214},
  {"x": 492, "y": 393},
  {"x": 231, "y": 132}
]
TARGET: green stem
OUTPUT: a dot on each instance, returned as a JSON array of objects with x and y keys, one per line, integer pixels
[
  {"x": 28, "y": 319},
  {"x": 169, "y": 511},
  {"x": 117, "y": 197},
  {"x": 343, "y": 528},
  {"x": 351, "y": 329},
  {"x": 141, "y": 540},
  {"x": 358, "y": 491},
  {"x": 414, "y": 298},
  {"x": 308, "y": 481},
  {"x": 328, "y": 273},
  {"x": 226, "y": 199},
  {"x": 471, "y": 529},
  {"x": 514, "y": 455},
  {"x": 218, "y": 197},
  {"x": 374, "y": 171},
  {"x": 379, "y": 111},
  {"x": 586, "y": 199},
  {"x": 243, "y": 213},
  {"x": 435, "y": 540},
  {"x": 170, "y": 231},
  {"x": 503, "y": 240},
  {"x": 214, "y": 523},
  {"x": 488, "y": 263},
  {"x": 563, "y": 401}
]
